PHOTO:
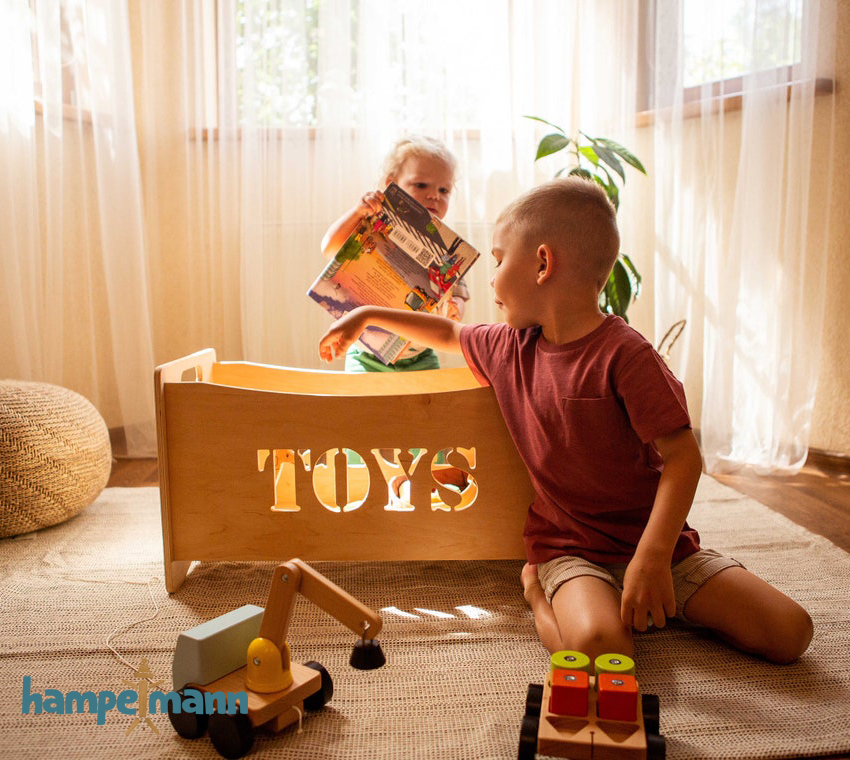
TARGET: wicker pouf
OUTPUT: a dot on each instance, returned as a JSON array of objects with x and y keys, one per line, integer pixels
[{"x": 55, "y": 456}]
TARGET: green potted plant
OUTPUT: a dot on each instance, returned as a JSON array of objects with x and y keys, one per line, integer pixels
[{"x": 601, "y": 160}]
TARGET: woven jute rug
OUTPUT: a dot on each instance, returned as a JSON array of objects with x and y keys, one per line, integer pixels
[{"x": 459, "y": 640}]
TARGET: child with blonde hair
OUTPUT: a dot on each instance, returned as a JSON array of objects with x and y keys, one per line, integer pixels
[
  {"x": 424, "y": 168},
  {"x": 603, "y": 428}
]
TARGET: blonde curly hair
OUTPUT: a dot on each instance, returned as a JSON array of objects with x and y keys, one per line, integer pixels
[{"x": 420, "y": 146}]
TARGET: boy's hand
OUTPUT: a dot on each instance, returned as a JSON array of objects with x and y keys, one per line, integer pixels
[
  {"x": 340, "y": 335},
  {"x": 647, "y": 590},
  {"x": 429, "y": 329}
]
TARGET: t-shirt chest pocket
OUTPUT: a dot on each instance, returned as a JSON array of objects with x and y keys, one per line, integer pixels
[{"x": 596, "y": 426}]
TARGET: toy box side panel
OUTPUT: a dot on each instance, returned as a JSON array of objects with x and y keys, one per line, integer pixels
[
  {"x": 243, "y": 473},
  {"x": 197, "y": 366}
]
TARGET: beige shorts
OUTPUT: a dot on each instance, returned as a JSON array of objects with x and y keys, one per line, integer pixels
[{"x": 688, "y": 575}]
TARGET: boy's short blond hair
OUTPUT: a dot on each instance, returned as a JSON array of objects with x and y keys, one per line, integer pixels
[
  {"x": 571, "y": 214},
  {"x": 420, "y": 146}
]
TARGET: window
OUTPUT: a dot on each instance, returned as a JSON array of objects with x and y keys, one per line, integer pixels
[
  {"x": 59, "y": 56},
  {"x": 312, "y": 63},
  {"x": 704, "y": 50},
  {"x": 277, "y": 61},
  {"x": 726, "y": 39}
]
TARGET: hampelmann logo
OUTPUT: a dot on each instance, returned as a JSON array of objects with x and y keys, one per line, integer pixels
[{"x": 143, "y": 700}]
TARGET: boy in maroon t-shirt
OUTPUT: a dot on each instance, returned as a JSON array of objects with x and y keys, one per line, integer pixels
[{"x": 603, "y": 428}]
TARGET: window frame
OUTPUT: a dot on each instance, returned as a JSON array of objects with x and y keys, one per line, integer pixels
[{"x": 717, "y": 96}]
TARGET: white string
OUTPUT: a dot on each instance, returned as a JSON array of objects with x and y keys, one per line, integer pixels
[
  {"x": 129, "y": 625},
  {"x": 300, "y": 716}
]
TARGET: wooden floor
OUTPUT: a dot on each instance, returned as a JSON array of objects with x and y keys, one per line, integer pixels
[{"x": 818, "y": 497}]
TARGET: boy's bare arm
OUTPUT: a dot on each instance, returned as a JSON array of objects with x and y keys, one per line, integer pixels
[
  {"x": 648, "y": 583},
  {"x": 431, "y": 330}
]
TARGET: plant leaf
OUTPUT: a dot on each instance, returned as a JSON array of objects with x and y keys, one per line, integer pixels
[
  {"x": 537, "y": 118},
  {"x": 603, "y": 300},
  {"x": 608, "y": 301},
  {"x": 578, "y": 171},
  {"x": 613, "y": 194},
  {"x": 633, "y": 273},
  {"x": 618, "y": 291},
  {"x": 610, "y": 158},
  {"x": 550, "y": 144},
  {"x": 623, "y": 284},
  {"x": 590, "y": 154},
  {"x": 610, "y": 187},
  {"x": 630, "y": 158}
]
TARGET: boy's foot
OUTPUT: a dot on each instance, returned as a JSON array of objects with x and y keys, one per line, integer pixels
[{"x": 531, "y": 585}]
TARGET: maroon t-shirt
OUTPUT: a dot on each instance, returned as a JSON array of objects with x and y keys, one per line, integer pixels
[{"x": 583, "y": 416}]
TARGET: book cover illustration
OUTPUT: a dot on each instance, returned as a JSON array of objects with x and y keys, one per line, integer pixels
[{"x": 400, "y": 257}]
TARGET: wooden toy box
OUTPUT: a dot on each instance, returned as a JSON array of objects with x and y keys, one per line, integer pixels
[{"x": 251, "y": 465}]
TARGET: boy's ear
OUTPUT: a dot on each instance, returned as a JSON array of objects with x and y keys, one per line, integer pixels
[{"x": 545, "y": 263}]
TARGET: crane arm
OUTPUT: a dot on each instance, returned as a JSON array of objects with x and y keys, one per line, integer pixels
[{"x": 295, "y": 576}]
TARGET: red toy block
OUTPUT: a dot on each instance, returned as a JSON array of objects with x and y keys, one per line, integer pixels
[
  {"x": 617, "y": 697},
  {"x": 570, "y": 692}
]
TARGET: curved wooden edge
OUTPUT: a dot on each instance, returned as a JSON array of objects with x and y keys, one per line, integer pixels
[
  {"x": 201, "y": 362},
  {"x": 332, "y": 383}
]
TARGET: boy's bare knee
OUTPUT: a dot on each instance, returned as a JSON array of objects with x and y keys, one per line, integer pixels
[
  {"x": 774, "y": 626},
  {"x": 594, "y": 640},
  {"x": 781, "y": 638},
  {"x": 790, "y": 638}
]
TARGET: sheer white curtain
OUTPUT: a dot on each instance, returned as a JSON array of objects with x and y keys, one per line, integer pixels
[
  {"x": 130, "y": 237},
  {"x": 265, "y": 120},
  {"x": 74, "y": 292},
  {"x": 741, "y": 203}
]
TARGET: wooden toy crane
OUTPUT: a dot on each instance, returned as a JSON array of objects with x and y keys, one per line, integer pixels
[{"x": 245, "y": 651}]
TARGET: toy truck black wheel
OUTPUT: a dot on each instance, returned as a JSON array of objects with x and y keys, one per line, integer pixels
[
  {"x": 534, "y": 699},
  {"x": 651, "y": 708},
  {"x": 656, "y": 747},
  {"x": 528, "y": 737},
  {"x": 231, "y": 735},
  {"x": 319, "y": 699},
  {"x": 189, "y": 725}
]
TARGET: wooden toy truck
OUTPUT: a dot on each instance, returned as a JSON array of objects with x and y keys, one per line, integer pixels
[
  {"x": 591, "y": 717},
  {"x": 245, "y": 652}
]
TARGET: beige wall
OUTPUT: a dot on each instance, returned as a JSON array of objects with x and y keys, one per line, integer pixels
[{"x": 831, "y": 423}]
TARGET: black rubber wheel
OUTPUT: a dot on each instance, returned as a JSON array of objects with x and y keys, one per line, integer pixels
[
  {"x": 528, "y": 737},
  {"x": 319, "y": 699},
  {"x": 231, "y": 735},
  {"x": 651, "y": 707},
  {"x": 534, "y": 699},
  {"x": 656, "y": 747},
  {"x": 189, "y": 725}
]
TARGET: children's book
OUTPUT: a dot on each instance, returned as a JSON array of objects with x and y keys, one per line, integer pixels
[{"x": 401, "y": 257}]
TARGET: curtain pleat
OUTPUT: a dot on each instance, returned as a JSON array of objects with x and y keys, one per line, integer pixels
[{"x": 76, "y": 297}]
